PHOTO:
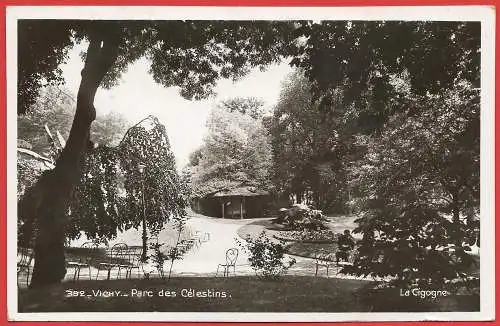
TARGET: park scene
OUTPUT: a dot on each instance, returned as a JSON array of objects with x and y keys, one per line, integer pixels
[{"x": 248, "y": 166}]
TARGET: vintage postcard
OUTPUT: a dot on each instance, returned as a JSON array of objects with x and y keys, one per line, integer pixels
[{"x": 250, "y": 164}]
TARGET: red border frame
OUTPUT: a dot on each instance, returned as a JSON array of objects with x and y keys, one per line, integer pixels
[{"x": 277, "y": 3}]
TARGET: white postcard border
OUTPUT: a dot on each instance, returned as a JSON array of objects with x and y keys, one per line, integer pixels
[{"x": 484, "y": 14}]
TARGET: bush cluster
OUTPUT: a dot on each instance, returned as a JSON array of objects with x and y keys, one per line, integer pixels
[
  {"x": 302, "y": 217},
  {"x": 267, "y": 258}
]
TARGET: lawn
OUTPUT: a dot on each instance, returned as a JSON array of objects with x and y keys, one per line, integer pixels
[
  {"x": 236, "y": 294},
  {"x": 293, "y": 294},
  {"x": 298, "y": 248},
  {"x": 310, "y": 250}
]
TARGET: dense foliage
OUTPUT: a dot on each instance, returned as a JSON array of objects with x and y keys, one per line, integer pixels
[
  {"x": 363, "y": 56},
  {"x": 113, "y": 194},
  {"x": 386, "y": 121},
  {"x": 236, "y": 150},
  {"x": 309, "y": 148},
  {"x": 266, "y": 257},
  {"x": 411, "y": 108},
  {"x": 418, "y": 190}
]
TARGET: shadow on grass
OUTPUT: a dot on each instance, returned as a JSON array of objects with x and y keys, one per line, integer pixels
[
  {"x": 391, "y": 300},
  {"x": 236, "y": 294}
]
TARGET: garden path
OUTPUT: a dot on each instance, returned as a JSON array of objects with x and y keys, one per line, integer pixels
[
  {"x": 203, "y": 261},
  {"x": 223, "y": 232}
]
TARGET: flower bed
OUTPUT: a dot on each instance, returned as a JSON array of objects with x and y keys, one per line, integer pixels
[
  {"x": 301, "y": 217},
  {"x": 322, "y": 236}
]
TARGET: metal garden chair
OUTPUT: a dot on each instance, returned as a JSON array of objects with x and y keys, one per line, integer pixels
[
  {"x": 134, "y": 256},
  {"x": 116, "y": 258},
  {"x": 84, "y": 259},
  {"x": 324, "y": 260},
  {"x": 24, "y": 259},
  {"x": 231, "y": 257}
]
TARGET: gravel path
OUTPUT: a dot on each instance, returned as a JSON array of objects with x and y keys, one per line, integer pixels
[
  {"x": 204, "y": 259},
  {"x": 223, "y": 232}
]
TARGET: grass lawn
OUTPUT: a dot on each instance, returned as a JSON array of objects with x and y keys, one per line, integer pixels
[
  {"x": 303, "y": 249},
  {"x": 292, "y": 294},
  {"x": 310, "y": 250},
  {"x": 242, "y": 294}
]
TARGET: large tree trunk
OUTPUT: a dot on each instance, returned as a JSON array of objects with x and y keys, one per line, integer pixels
[{"x": 57, "y": 186}]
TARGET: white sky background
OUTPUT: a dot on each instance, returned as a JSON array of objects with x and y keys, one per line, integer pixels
[{"x": 138, "y": 96}]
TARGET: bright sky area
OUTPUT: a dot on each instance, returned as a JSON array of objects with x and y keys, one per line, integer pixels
[{"x": 138, "y": 96}]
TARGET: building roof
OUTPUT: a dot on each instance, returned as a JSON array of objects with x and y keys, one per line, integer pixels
[{"x": 241, "y": 192}]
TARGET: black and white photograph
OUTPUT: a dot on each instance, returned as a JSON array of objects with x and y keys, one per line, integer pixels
[{"x": 250, "y": 164}]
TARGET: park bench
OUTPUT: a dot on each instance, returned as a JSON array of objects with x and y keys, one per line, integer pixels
[{"x": 329, "y": 260}]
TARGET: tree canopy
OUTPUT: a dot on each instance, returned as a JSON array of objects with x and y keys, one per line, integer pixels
[
  {"x": 418, "y": 190},
  {"x": 400, "y": 102},
  {"x": 308, "y": 151},
  {"x": 362, "y": 57},
  {"x": 411, "y": 113},
  {"x": 191, "y": 55},
  {"x": 109, "y": 197},
  {"x": 236, "y": 150}
]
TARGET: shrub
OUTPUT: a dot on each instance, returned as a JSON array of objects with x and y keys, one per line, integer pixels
[
  {"x": 267, "y": 258},
  {"x": 158, "y": 257}
]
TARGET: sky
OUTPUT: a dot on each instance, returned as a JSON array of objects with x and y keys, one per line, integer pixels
[{"x": 137, "y": 96}]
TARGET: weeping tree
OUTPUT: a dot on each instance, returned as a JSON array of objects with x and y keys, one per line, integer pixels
[
  {"x": 44, "y": 130},
  {"x": 191, "y": 55},
  {"x": 134, "y": 184},
  {"x": 163, "y": 191}
]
